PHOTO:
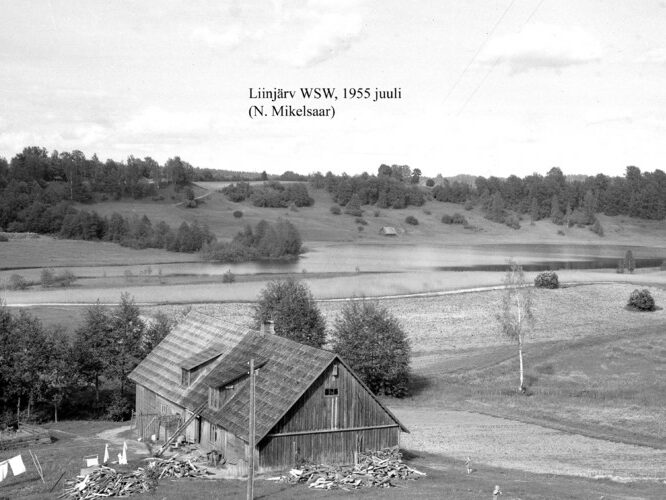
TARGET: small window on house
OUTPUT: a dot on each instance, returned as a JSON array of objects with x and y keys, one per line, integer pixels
[
  {"x": 331, "y": 391},
  {"x": 164, "y": 409},
  {"x": 184, "y": 377}
]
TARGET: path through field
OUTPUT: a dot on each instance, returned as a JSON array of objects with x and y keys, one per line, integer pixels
[{"x": 515, "y": 445}]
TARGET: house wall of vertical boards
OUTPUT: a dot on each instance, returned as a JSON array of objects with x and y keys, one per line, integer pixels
[{"x": 310, "y": 405}]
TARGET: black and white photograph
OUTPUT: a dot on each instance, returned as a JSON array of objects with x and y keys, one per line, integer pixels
[{"x": 298, "y": 249}]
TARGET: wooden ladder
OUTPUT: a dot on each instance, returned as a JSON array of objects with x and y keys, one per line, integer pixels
[{"x": 195, "y": 413}]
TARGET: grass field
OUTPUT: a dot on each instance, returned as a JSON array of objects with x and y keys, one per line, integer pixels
[
  {"x": 51, "y": 252},
  {"x": 317, "y": 224}
]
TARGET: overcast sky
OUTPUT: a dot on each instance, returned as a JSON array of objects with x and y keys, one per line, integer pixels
[{"x": 489, "y": 87}]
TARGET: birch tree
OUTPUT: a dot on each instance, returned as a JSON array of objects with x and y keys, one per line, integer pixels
[{"x": 516, "y": 318}]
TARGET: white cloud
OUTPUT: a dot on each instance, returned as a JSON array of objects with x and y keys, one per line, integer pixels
[
  {"x": 654, "y": 56},
  {"x": 322, "y": 30},
  {"x": 540, "y": 46},
  {"x": 225, "y": 38},
  {"x": 155, "y": 121},
  {"x": 298, "y": 34}
]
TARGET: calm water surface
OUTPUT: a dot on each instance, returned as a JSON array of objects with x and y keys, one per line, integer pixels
[{"x": 382, "y": 258}]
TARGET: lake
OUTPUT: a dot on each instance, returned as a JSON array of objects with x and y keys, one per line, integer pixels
[{"x": 349, "y": 258}]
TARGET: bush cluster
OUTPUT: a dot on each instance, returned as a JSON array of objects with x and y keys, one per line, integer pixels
[
  {"x": 410, "y": 219},
  {"x": 641, "y": 300},
  {"x": 266, "y": 241},
  {"x": 271, "y": 194},
  {"x": 336, "y": 210},
  {"x": 238, "y": 214},
  {"x": 49, "y": 278},
  {"x": 456, "y": 218},
  {"x": 547, "y": 279}
]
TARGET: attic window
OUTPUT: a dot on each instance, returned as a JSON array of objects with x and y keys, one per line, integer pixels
[
  {"x": 330, "y": 391},
  {"x": 185, "y": 377}
]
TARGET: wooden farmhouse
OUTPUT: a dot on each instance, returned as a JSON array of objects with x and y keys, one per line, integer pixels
[{"x": 310, "y": 405}]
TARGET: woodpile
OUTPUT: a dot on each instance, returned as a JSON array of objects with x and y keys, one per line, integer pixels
[
  {"x": 377, "y": 469},
  {"x": 107, "y": 482}
]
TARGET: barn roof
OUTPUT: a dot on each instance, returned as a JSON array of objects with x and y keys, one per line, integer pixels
[
  {"x": 286, "y": 370},
  {"x": 197, "y": 333}
]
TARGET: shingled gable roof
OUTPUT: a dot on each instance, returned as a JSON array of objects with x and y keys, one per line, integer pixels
[
  {"x": 287, "y": 370},
  {"x": 160, "y": 371}
]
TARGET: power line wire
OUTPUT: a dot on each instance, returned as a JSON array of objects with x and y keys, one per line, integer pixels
[
  {"x": 478, "y": 51},
  {"x": 492, "y": 67}
]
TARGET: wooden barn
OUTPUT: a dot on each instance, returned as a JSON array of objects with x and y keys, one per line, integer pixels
[{"x": 310, "y": 405}]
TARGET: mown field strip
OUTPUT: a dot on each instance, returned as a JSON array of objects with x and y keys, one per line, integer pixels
[{"x": 515, "y": 445}]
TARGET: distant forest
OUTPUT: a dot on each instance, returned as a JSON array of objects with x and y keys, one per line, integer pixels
[
  {"x": 37, "y": 189},
  {"x": 554, "y": 195}
]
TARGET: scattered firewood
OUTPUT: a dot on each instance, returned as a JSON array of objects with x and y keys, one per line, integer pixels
[
  {"x": 377, "y": 469},
  {"x": 107, "y": 482}
]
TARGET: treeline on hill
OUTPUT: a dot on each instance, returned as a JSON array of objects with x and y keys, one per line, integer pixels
[
  {"x": 265, "y": 242},
  {"x": 82, "y": 177},
  {"x": 637, "y": 194},
  {"x": 393, "y": 187},
  {"x": 271, "y": 194},
  {"x": 30, "y": 208},
  {"x": 46, "y": 372}
]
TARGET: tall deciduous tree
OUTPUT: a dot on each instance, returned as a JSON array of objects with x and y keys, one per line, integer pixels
[
  {"x": 516, "y": 316},
  {"x": 375, "y": 345},
  {"x": 289, "y": 304},
  {"x": 92, "y": 344},
  {"x": 127, "y": 331}
]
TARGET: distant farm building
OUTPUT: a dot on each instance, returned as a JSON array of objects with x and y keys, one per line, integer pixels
[
  {"x": 309, "y": 404},
  {"x": 388, "y": 231}
]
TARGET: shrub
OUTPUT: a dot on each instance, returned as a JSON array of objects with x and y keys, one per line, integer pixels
[
  {"x": 17, "y": 282},
  {"x": 360, "y": 228},
  {"x": 596, "y": 228},
  {"x": 427, "y": 212},
  {"x": 119, "y": 409},
  {"x": 362, "y": 221},
  {"x": 376, "y": 213},
  {"x": 430, "y": 183},
  {"x": 512, "y": 222},
  {"x": 228, "y": 277},
  {"x": 547, "y": 279},
  {"x": 629, "y": 261},
  {"x": 469, "y": 205},
  {"x": 3, "y": 238},
  {"x": 560, "y": 232},
  {"x": 47, "y": 278},
  {"x": 238, "y": 214},
  {"x": 66, "y": 278},
  {"x": 336, "y": 210},
  {"x": 456, "y": 218},
  {"x": 663, "y": 266},
  {"x": 641, "y": 300},
  {"x": 410, "y": 219},
  {"x": 354, "y": 206},
  {"x": 620, "y": 267}
]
